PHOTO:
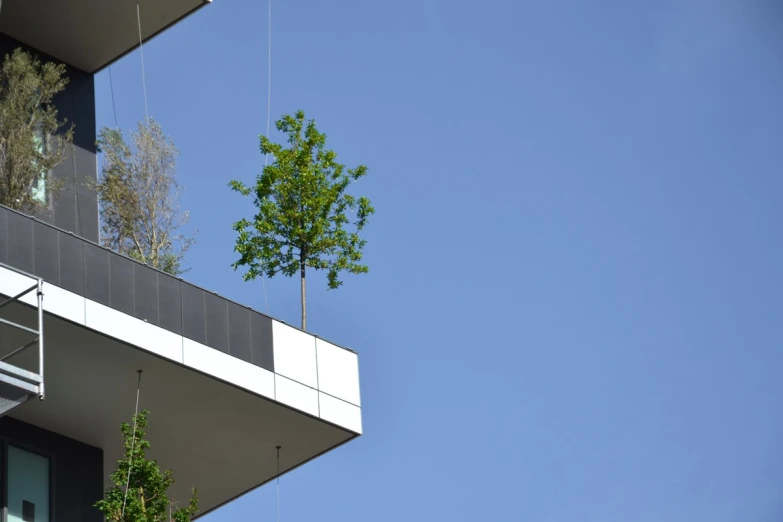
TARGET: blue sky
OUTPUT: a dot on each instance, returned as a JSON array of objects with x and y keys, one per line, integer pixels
[{"x": 574, "y": 304}]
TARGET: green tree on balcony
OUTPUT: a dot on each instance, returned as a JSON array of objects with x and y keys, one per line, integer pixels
[
  {"x": 33, "y": 140},
  {"x": 140, "y": 198},
  {"x": 140, "y": 487},
  {"x": 305, "y": 216}
]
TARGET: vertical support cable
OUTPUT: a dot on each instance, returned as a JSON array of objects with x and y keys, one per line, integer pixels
[
  {"x": 41, "y": 391},
  {"x": 133, "y": 446},
  {"x": 113, "y": 106},
  {"x": 278, "y": 483},
  {"x": 268, "y": 115},
  {"x": 268, "y": 75},
  {"x": 141, "y": 49}
]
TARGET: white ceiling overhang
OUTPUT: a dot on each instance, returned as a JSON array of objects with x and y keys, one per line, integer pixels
[{"x": 212, "y": 434}]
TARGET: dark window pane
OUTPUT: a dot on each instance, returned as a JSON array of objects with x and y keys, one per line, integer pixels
[
  {"x": 145, "y": 287},
  {"x": 46, "y": 253},
  {"x": 121, "y": 283},
  {"x": 217, "y": 322},
  {"x": 239, "y": 331},
  {"x": 20, "y": 242},
  {"x": 170, "y": 307},
  {"x": 261, "y": 336},
  {"x": 193, "y": 324},
  {"x": 96, "y": 268},
  {"x": 71, "y": 263}
]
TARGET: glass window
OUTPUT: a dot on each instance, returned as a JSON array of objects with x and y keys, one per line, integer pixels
[
  {"x": 28, "y": 486},
  {"x": 39, "y": 188}
]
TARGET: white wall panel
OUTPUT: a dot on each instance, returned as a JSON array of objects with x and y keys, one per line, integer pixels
[
  {"x": 133, "y": 331},
  {"x": 338, "y": 372},
  {"x": 340, "y": 412},
  {"x": 228, "y": 368},
  {"x": 64, "y": 303},
  {"x": 294, "y": 354},
  {"x": 296, "y": 395},
  {"x": 11, "y": 283}
]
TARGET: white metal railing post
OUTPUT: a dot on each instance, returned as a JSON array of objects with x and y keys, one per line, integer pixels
[{"x": 41, "y": 392}]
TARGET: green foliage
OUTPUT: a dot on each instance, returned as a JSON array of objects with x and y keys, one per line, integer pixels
[
  {"x": 146, "y": 499},
  {"x": 32, "y": 139},
  {"x": 302, "y": 210},
  {"x": 139, "y": 196}
]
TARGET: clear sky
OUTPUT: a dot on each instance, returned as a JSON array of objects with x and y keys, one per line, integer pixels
[{"x": 574, "y": 309}]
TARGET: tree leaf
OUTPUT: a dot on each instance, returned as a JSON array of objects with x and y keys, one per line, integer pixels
[{"x": 303, "y": 210}]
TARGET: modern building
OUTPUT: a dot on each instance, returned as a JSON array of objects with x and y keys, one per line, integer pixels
[{"x": 225, "y": 384}]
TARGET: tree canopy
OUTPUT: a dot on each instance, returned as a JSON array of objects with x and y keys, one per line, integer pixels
[
  {"x": 305, "y": 217},
  {"x": 33, "y": 140},
  {"x": 140, "y": 198},
  {"x": 146, "y": 499}
]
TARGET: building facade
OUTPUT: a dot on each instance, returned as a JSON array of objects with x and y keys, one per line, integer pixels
[{"x": 225, "y": 385}]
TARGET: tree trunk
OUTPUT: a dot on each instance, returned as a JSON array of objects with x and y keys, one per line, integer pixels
[{"x": 304, "y": 297}]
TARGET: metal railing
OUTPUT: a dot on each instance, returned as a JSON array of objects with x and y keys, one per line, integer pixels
[{"x": 28, "y": 381}]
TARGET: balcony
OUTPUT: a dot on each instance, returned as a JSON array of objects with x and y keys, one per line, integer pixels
[
  {"x": 90, "y": 34},
  {"x": 224, "y": 383}
]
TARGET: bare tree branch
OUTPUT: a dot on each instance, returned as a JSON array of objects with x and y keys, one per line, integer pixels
[{"x": 139, "y": 194}]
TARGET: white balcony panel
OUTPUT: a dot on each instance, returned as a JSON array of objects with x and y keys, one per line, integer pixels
[
  {"x": 338, "y": 372},
  {"x": 11, "y": 283},
  {"x": 228, "y": 368},
  {"x": 296, "y": 395},
  {"x": 133, "y": 331},
  {"x": 64, "y": 303},
  {"x": 294, "y": 354},
  {"x": 341, "y": 413}
]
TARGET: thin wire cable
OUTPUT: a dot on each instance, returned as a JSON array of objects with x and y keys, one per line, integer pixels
[
  {"x": 133, "y": 447},
  {"x": 113, "y": 106},
  {"x": 141, "y": 49},
  {"x": 268, "y": 115},
  {"x": 268, "y": 76},
  {"x": 278, "y": 483}
]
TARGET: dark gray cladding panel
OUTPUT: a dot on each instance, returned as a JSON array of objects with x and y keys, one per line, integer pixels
[
  {"x": 145, "y": 287},
  {"x": 193, "y": 317},
  {"x": 116, "y": 281},
  {"x": 239, "y": 331},
  {"x": 77, "y": 469},
  {"x": 217, "y": 321},
  {"x": 261, "y": 338},
  {"x": 96, "y": 269},
  {"x": 46, "y": 253},
  {"x": 121, "y": 283},
  {"x": 76, "y": 104},
  {"x": 81, "y": 112},
  {"x": 72, "y": 263},
  {"x": 20, "y": 242},
  {"x": 170, "y": 303},
  {"x": 75, "y": 208},
  {"x": 3, "y": 235},
  {"x": 64, "y": 210},
  {"x": 87, "y": 216}
]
